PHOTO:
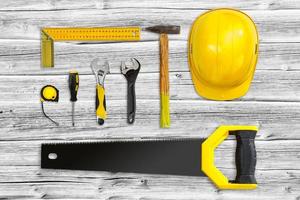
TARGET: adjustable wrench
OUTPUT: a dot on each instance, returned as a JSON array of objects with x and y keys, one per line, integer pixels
[
  {"x": 100, "y": 70},
  {"x": 130, "y": 70}
]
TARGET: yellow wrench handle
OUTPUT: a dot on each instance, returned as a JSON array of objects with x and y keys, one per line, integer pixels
[{"x": 100, "y": 104}]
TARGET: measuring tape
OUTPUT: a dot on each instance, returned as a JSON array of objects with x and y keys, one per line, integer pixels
[
  {"x": 49, "y": 93},
  {"x": 49, "y": 35}
]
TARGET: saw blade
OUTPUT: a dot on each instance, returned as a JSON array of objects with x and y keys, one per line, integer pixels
[{"x": 176, "y": 157}]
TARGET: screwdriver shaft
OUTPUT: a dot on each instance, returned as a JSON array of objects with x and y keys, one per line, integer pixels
[{"x": 73, "y": 111}]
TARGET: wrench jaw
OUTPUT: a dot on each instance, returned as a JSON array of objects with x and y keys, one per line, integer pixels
[
  {"x": 100, "y": 70},
  {"x": 101, "y": 77},
  {"x": 134, "y": 64}
]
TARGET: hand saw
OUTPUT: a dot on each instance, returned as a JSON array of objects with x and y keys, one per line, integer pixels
[
  {"x": 49, "y": 35},
  {"x": 188, "y": 157}
]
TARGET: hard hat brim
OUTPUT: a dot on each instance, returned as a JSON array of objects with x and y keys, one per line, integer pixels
[{"x": 221, "y": 94}]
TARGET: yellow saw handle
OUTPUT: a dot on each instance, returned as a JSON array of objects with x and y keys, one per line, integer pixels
[
  {"x": 245, "y": 157},
  {"x": 100, "y": 104}
]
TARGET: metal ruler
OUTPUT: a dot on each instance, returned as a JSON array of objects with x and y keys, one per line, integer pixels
[{"x": 49, "y": 35}]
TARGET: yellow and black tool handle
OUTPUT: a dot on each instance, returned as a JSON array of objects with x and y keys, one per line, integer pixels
[
  {"x": 245, "y": 157},
  {"x": 73, "y": 85},
  {"x": 100, "y": 104}
]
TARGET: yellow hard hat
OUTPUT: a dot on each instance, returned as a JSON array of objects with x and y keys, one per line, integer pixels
[{"x": 223, "y": 50}]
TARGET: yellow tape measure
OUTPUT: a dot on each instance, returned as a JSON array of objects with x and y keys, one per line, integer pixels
[
  {"x": 49, "y": 93},
  {"x": 49, "y": 35}
]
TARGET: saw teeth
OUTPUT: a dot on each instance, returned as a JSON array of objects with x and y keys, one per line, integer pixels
[{"x": 127, "y": 140}]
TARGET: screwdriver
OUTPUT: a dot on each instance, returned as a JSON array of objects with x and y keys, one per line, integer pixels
[{"x": 73, "y": 87}]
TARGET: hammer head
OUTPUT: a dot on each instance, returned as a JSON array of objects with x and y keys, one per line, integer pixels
[{"x": 164, "y": 29}]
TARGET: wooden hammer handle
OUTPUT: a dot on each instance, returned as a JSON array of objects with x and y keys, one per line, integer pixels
[{"x": 164, "y": 81}]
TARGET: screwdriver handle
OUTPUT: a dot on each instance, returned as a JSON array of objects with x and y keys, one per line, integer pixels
[
  {"x": 73, "y": 84},
  {"x": 100, "y": 104}
]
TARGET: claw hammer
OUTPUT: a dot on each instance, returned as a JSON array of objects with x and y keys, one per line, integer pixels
[{"x": 164, "y": 70}]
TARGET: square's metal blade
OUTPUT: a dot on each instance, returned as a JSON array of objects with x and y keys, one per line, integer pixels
[{"x": 177, "y": 157}]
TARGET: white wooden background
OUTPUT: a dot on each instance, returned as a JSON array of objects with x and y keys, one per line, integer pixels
[{"x": 273, "y": 102}]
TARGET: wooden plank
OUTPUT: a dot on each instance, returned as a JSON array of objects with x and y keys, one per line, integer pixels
[
  {"x": 24, "y": 121},
  {"x": 20, "y": 57},
  {"x": 144, "y": 188},
  {"x": 32, "y": 182},
  {"x": 33, "y": 173},
  {"x": 40, "y": 5},
  {"x": 268, "y": 85},
  {"x": 202, "y": 4},
  {"x": 169, "y": 4},
  {"x": 273, "y": 26}
]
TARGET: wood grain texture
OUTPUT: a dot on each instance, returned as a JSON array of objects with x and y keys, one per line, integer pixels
[
  {"x": 202, "y": 4},
  {"x": 27, "y": 24},
  {"x": 164, "y": 64},
  {"x": 164, "y": 81},
  {"x": 41, "y": 5},
  {"x": 272, "y": 103}
]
